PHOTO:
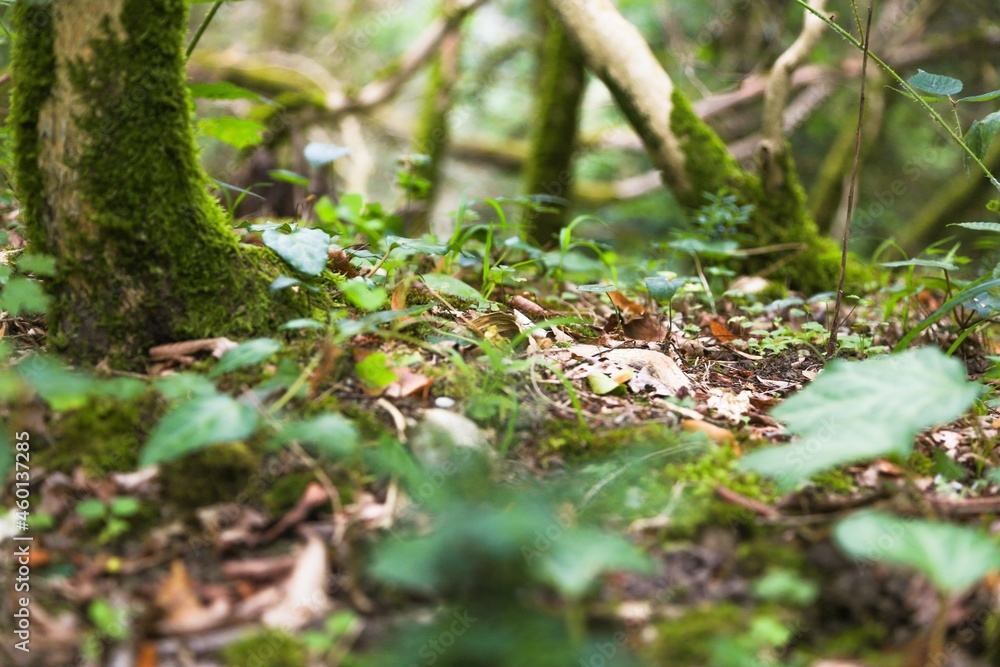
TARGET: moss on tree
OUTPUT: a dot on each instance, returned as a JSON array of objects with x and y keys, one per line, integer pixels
[
  {"x": 108, "y": 174},
  {"x": 781, "y": 212},
  {"x": 548, "y": 170}
]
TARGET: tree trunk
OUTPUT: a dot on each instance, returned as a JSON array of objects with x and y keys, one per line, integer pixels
[
  {"x": 692, "y": 159},
  {"x": 561, "y": 84},
  {"x": 108, "y": 176}
]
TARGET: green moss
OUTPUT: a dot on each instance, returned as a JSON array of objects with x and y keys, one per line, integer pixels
[
  {"x": 221, "y": 473},
  {"x": 569, "y": 438},
  {"x": 835, "y": 481},
  {"x": 548, "y": 170},
  {"x": 273, "y": 648},
  {"x": 920, "y": 464},
  {"x": 145, "y": 255},
  {"x": 781, "y": 213},
  {"x": 688, "y": 640},
  {"x": 286, "y": 491},
  {"x": 104, "y": 436}
]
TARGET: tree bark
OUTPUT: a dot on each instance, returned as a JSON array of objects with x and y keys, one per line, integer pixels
[
  {"x": 110, "y": 184},
  {"x": 692, "y": 159},
  {"x": 561, "y": 84}
]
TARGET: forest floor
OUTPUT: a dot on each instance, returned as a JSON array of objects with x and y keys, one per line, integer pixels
[{"x": 546, "y": 477}]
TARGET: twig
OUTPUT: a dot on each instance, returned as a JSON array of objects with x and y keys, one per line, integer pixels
[
  {"x": 831, "y": 345},
  {"x": 201, "y": 29}
]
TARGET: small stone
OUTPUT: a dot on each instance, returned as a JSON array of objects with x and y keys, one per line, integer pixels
[{"x": 444, "y": 402}]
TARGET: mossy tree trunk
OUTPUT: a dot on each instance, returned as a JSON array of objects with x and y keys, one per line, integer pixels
[
  {"x": 561, "y": 84},
  {"x": 110, "y": 184},
  {"x": 433, "y": 131},
  {"x": 692, "y": 159}
]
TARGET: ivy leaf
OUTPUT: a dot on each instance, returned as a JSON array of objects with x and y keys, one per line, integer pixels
[
  {"x": 195, "y": 425},
  {"x": 22, "y": 295},
  {"x": 664, "y": 290},
  {"x": 953, "y": 557},
  {"x": 236, "y": 132},
  {"x": 331, "y": 434},
  {"x": 305, "y": 249},
  {"x": 246, "y": 354},
  {"x": 40, "y": 265},
  {"x": 936, "y": 84},
  {"x": 862, "y": 410}
]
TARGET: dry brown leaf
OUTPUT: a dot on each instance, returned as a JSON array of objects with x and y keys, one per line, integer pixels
[
  {"x": 721, "y": 332},
  {"x": 409, "y": 383},
  {"x": 183, "y": 610},
  {"x": 715, "y": 433},
  {"x": 646, "y": 327},
  {"x": 629, "y": 309},
  {"x": 303, "y": 594},
  {"x": 313, "y": 497}
]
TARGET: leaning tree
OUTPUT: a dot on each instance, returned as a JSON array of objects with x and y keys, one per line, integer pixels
[
  {"x": 108, "y": 175},
  {"x": 691, "y": 157}
]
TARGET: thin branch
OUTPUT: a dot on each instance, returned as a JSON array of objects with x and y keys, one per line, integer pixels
[
  {"x": 201, "y": 28},
  {"x": 831, "y": 344},
  {"x": 779, "y": 82}
]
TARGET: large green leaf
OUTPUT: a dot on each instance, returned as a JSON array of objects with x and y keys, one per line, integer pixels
[
  {"x": 582, "y": 555},
  {"x": 246, "y": 354},
  {"x": 236, "y": 132},
  {"x": 861, "y": 410},
  {"x": 61, "y": 388},
  {"x": 305, "y": 249},
  {"x": 953, "y": 557},
  {"x": 195, "y": 425},
  {"x": 451, "y": 286},
  {"x": 938, "y": 84},
  {"x": 331, "y": 434},
  {"x": 22, "y": 295},
  {"x": 222, "y": 90}
]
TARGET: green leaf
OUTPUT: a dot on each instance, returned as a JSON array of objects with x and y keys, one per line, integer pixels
[
  {"x": 302, "y": 323},
  {"x": 979, "y": 226},
  {"x": 953, "y": 557},
  {"x": 985, "y": 97},
  {"x": 236, "y": 132},
  {"x": 223, "y": 90},
  {"x": 601, "y": 384},
  {"x": 664, "y": 290},
  {"x": 982, "y": 133},
  {"x": 937, "y": 84},
  {"x": 195, "y": 425},
  {"x": 929, "y": 263},
  {"x": 416, "y": 245},
  {"x": 581, "y": 556},
  {"x": 125, "y": 506},
  {"x": 365, "y": 297},
  {"x": 22, "y": 295},
  {"x": 60, "y": 387},
  {"x": 319, "y": 154},
  {"x": 597, "y": 289},
  {"x": 110, "y": 620},
  {"x": 325, "y": 210},
  {"x": 40, "y": 265},
  {"x": 305, "y": 249},
  {"x": 91, "y": 509},
  {"x": 374, "y": 371},
  {"x": 450, "y": 286},
  {"x": 283, "y": 282},
  {"x": 122, "y": 389},
  {"x": 246, "y": 354},
  {"x": 286, "y": 176},
  {"x": 332, "y": 435},
  {"x": 861, "y": 410},
  {"x": 184, "y": 386}
]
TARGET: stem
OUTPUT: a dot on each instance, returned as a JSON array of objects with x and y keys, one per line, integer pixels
[
  {"x": 201, "y": 29},
  {"x": 909, "y": 89},
  {"x": 831, "y": 344}
]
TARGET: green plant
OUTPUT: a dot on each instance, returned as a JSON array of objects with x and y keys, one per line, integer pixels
[{"x": 112, "y": 517}]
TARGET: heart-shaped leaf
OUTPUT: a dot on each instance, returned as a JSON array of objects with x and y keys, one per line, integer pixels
[
  {"x": 330, "y": 434},
  {"x": 861, "y": 410},
  {"x": 305, "y": 249}
]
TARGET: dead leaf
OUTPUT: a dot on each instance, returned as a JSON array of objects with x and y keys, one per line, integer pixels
[
  {"x": 313, "y": 497},
  {"x": 409, "y": 383},
  {"x": 715, "y": 433},
  {"x": 646, "y": 327},
  {"x": 721, "y": 332},
  {"x": 728, "y": 405},
  {"x": 303, "y": 594},
  {"x": 629, "y": 309},
  {"x": 183, "y": 610}
]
